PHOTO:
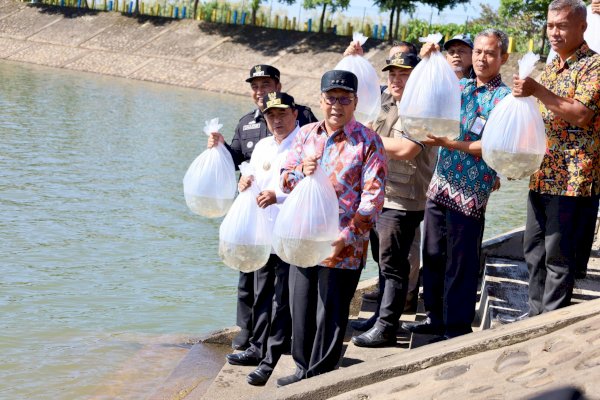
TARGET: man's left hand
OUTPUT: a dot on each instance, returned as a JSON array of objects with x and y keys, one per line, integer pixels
[
  {"x": 266, "y": 198},
  {"x": 596, "y": 6}
]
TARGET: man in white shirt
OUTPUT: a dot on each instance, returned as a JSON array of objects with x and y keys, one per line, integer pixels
[{"x": 271, "y": 313}]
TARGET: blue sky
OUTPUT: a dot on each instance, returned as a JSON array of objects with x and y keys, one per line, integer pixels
[{"x": 359, "y": 7}]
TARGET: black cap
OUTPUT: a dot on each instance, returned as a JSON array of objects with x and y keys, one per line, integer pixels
[
  {"x": 263, "y": 71},
  {"x": 278, "y": 100},
  {"x": 401, "y": 60},
  {"x": 460, "y": 38},
  {"x": 339, "y": 79}
]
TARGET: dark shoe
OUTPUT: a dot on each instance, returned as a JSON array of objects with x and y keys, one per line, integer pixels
[
  {"x": 580, "y": 274},
  {"x": 364, "y": 325},
  {"x": 504, "y": 319},
  {"x": 241, "y": 340},
  {"x": 371, "y": 296},
  {"x": 243, "y": 358},
  {"x": 258, "y": 377},
  {"x": 375, "y": 337},
  {"x": 438, "y": 339},
  {"x": 424, "y": 327},
  {"x": 288, "y": 380}
]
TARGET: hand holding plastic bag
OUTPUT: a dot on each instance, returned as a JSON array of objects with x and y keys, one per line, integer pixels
[
  {"x": 430, "y": 103},
  {"x": 209, "y": 185},
  {"x": 308, "y": 222},
  {"x": 514, "y": 139},
  {"x": 245, "y": 235},
  {"x": 369, "y": 92},
  {"x": 592, "y": 33}
]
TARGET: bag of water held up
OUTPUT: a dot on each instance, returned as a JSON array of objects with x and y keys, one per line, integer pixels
[
  {"x": 245, "y": 233},
  {"x": 592, "y": 33},
  {"x": 430, "y": 103},
  {"x": 369, "y": 92},
  {"x": 514, "y": 139},
  {"x": 308, "y": 222},
  {"x": 209, "y": 185}
]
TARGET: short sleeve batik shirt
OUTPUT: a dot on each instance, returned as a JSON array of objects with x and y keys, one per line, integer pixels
[
  {"x": 571, "y": 166},
  {"x": 461, "y": 181}
]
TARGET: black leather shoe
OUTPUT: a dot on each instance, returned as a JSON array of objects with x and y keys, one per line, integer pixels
[
  {"x": 373, "y": 295},
  {"x": 288, "y": 380},
  {"x": 243, "y": 358},
  {"x": 258, "y": 377},
  {"x": 375, "y": 337},
  {"x": 241, "y": 340},
  {"x": 424, "y": 327},
  {"x": 364, "y": 325},
  {"x": 504, "y": 319}
]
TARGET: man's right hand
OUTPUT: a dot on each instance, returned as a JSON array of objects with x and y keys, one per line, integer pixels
[
  {"x": 214, "y": 139},
  {"x": 309, "y": 165},
  {"x": 354, "y": 49},
  {"x": 428, "y": 48},
  {"x": 244, "y": 183},
  {"x": 596, "y": 6}
]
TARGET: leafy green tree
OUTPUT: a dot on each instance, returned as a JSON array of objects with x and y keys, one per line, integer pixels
[
  {"x": 526, "y": 16},
  {"x": 332, "y": 4}
]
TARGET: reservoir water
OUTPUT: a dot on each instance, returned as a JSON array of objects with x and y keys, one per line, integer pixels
[{"x": 105, "y": 275}]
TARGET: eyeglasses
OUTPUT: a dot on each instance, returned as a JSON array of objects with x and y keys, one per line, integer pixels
[
  {"x": 343, "y": 100},
  {"x": 460, "y": 52}
]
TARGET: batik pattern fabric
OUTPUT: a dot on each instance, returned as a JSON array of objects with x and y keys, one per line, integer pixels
[
  {"x": 571, "y": 165},
  {"x": 354, "y": 160},
  {"x": 461, "y": 181}
]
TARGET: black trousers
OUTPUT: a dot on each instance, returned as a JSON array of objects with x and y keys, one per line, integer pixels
[
  {"x": 320, "y": 303},
  {"x": 451, "y": 250},
  {"x": 396, "y": 232},
  {"x": 586, "y": 231},
  {"x": 245, "y": 301},
  {"x": 550, "y": 245},
  {"x": 271, "y": 315}
]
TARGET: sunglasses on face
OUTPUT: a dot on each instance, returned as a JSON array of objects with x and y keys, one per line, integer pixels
[{"x": 343, "y": 100}]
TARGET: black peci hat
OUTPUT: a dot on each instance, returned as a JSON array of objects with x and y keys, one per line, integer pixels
[
  {"x": 278, "y": 100},
  {"x": 263, "y": 71},
  {"x": 401, "y": 60},
  {"x": 339, "y": 79}
]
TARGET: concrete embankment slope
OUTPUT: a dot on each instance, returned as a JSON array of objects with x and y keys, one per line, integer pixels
[{"x": 188, "y": 53}]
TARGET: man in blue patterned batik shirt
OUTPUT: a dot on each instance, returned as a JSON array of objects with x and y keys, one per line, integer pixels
[{"x": 457, "y": 197}]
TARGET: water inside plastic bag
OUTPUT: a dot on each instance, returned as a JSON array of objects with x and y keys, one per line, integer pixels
[
  {"x": 513, "y": 165},
  {"x": 418, "y": 128},
  {"x": 302, "y": 252},
  {"x": 208, "y": 207},
  {"x": 244, "y": 257}
]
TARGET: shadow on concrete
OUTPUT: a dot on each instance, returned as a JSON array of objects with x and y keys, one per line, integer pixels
[
  {"x": 67, "y": 12},
  {"x": 269, "y": 41}
]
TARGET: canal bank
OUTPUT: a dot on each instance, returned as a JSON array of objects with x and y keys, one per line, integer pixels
[{"x": 194, "y": 54}]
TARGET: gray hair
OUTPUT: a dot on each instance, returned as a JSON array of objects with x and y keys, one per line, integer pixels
[
  {"x": 577, "y": 7},
  {"x": 499, "y": 35}
]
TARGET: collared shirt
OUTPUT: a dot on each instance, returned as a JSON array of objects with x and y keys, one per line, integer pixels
[
  {"x": 252, "y": 127},
  {"x": 571, "y": 166},
  {"x": 355, "y": 162},
  {"x": 268, "y": 159},
  {"x": 407, "y": 180},
  {"x": 463, "y": 182}
]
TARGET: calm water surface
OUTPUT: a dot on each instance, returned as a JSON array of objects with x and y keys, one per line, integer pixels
[{"x": 102, "y": 265}]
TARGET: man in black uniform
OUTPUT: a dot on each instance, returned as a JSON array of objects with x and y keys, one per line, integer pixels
[{"x": 251, "y": 128}]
